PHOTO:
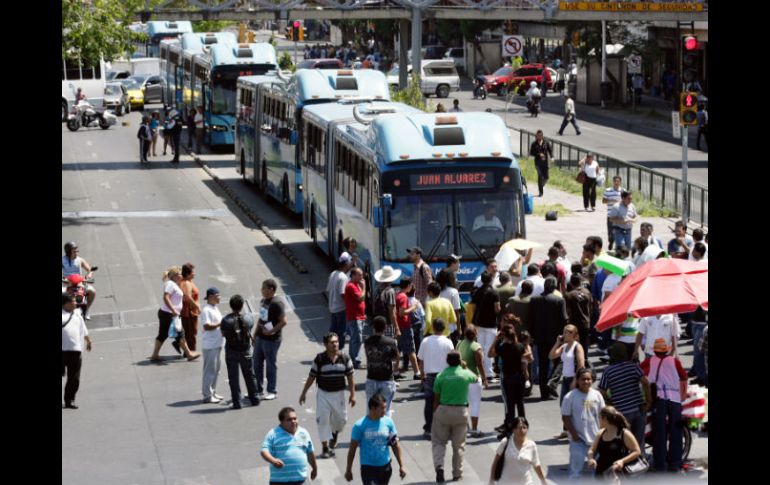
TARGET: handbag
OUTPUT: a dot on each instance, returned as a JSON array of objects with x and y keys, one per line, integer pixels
[
  {"x": 636, "y": 467},
  {"x": 499, "y": 466},
  {"x": 581, "y": 177}
]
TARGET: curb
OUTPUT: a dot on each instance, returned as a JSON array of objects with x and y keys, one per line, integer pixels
[{"x": 285, "y": 251}]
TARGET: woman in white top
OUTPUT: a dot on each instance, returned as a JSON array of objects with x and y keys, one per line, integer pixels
[
  {"x": 519, "y": 455},
  {"x": 572, "y": 355},
  {"x": 448, "y": 283},
  {"x": 591, "y": 168},
  {"x": 170, "y": 308}
]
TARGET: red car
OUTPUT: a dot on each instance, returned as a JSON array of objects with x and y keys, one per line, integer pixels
[
  {"x": 321, "y": 64},
  {"x": 502, "y": 80}
]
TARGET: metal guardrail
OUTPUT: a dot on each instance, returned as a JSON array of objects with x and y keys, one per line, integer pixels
[{"x": 656, "y": 186}]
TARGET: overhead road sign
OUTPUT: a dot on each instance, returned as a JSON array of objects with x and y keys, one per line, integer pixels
[{"x": 630, "y": 7}]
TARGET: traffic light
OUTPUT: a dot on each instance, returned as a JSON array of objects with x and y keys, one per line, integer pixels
[
  {"x": 688, "y": 108},
  {"x": 302, "y": 33},
  {"x": 297, "y": 31},
  {"x": 250, "y": 36},
  {"x": 689, "y": 58},
  {"x": 289, "y": 33}
]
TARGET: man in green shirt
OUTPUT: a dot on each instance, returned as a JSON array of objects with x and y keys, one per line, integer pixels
[{"x": 450, "y": 415}]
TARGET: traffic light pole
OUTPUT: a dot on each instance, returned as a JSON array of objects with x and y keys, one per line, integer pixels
[{"x": 685, "y": 191}]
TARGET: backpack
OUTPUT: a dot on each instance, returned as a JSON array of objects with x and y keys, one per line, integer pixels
[
  {"x": 380, "y": 309},
  {"x": 237, "y": 335}
]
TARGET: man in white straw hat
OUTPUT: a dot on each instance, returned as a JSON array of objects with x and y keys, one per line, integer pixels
[{"x": 385, "y": 299}]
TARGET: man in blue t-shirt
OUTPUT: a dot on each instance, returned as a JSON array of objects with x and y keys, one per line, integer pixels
[
  {"x": 288, "y": 448},
  {"x": 374, "y": 433}
]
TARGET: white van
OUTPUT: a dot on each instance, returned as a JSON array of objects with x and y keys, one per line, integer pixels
[
  {"x": 437, "y": 77},
  {"x": 90, "y": 79}
]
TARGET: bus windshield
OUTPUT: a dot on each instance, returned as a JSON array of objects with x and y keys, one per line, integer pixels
[
  {"x": 223, "y": 83},
  {"x": 470, "y": 224}
]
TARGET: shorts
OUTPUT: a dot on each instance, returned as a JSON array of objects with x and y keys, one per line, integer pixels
[{"x": 406, "y": 341}]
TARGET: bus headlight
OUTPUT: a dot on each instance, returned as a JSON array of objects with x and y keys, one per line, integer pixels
[{"x": 218, "y": 128}]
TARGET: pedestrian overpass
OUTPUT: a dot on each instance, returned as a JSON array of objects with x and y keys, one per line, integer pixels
[{"x": 524, "y": 10}]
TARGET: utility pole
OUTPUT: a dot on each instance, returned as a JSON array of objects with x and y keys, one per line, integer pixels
[
  {"x": 685, "y": 191},
  {"x": 604, "y": 62}
]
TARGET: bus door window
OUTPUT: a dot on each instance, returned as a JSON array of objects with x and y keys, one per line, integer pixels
[{"x": 223, "y": 92}]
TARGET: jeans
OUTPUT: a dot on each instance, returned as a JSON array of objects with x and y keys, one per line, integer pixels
[
  {"x": 355, "y": 329},
  {"x": 234, "y": 360},
  {"x": 699, "y": 358},
  {"x": 211, "y": 364},
  {"x": 266, "y": 351},
  {"x": 589, "y": 193},
  {"x": 566, "y": 382},
  {"x": 610, "y": 235},
  {"x": 417, "y": 329},
  {"x": 339, "y": 327},
  {"x": 637, "y": 420},
  {"x": 376, "y": 475},
  {"x": 567, "y": 120},
  {"x": 427, "y": 388},
  {"x": 670, "y": 459},
  {"x": 622, "y": 237},
  {"x": 513, "y": 396},
  {"x": 385, "y": 388},
  {"x": 578, "y": 451}
]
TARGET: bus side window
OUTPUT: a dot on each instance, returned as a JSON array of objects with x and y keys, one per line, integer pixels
[{"x": 337, "y": 166}]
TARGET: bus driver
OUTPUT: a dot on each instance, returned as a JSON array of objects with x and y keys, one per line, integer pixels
[{"x": 488, "y": 219}]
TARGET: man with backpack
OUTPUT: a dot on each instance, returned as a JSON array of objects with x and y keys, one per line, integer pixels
[{"x": 236, "y": 328}]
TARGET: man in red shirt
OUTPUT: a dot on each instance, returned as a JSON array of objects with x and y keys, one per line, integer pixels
[
  {"x": 404, "y": 318},
  {"x": 355, "y": 312}
]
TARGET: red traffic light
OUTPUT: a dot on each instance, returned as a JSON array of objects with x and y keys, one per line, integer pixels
[
  {"x": 690, "y": 43},
  {"x": 296, "y": 24},
  {"x": 689, "y": 101}
]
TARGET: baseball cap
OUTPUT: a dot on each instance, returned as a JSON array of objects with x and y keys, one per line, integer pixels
[
  {"x": 345, "y": 258},
  {"x": 212, "y": 291},
  {"x": 415, "y": 249}
]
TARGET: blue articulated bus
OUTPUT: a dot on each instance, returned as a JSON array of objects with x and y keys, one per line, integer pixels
[
  {"x": 446, "y": 183},
  {"x": 176, "y": 65},
  {"x": 276, "y": 169},
  {"x": 217, "y": 74},
  {"x": 160, "y": 30}
]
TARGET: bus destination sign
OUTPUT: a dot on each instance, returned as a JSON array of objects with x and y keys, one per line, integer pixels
[{"x": 455, "y": 180}]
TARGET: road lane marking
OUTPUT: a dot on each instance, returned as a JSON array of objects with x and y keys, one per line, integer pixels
[
  {"x": 222, "y": 276},
  {"x": 134, "y": 255},
  {"x": 148, "y": 214}
]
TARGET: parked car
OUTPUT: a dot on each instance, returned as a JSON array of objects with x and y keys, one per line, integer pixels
[
  {"x": 437, "y": 77},
  {"x": 502, "y": 80},
  {"x": 135, "y": 94},
  {"x": 116, "y": 98},
  {"x": 321, "y": 64},
  {"x": 152, "y": 88},
  {"x": 457, "y": 54}
]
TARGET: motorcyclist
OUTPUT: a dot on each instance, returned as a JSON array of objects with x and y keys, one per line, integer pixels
[
  {"x": 72, "y": 263},
  {"x": 533, "y": 96}
]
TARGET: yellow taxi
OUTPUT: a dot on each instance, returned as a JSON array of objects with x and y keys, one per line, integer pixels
[{"x": 135, "y": 93}]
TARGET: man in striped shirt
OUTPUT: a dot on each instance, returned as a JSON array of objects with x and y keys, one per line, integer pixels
[
  {"x": 611, "y": 197},
  {"x": 288, "y": 448},
  {"x": 330, "y": 369},
  {"x": 619, "y": 385}
]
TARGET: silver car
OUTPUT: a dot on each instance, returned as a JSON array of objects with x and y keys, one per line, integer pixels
[
  {"x": 116, "y": 98},
  {"x": 437, "y": 77}
]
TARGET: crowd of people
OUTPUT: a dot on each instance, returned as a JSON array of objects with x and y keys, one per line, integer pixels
[{"x": 537, "y": 331}]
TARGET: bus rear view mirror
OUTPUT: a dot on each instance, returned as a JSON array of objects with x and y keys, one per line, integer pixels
[
  {"x": 387, "y": 201},
  {"x": 377, "y": 219}
]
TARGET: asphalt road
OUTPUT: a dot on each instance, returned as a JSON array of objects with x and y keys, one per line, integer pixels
[{"x": 144, "y": 424}]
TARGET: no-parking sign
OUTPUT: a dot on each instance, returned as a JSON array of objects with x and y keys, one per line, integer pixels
[{"x": 513, "y": 45}]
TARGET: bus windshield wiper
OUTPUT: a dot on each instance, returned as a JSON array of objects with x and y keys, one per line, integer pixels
[
  {"x": 438, "y": 242},
  {"x": 473, "y": 246}
]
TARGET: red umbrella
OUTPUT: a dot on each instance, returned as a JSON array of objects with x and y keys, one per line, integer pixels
[{"x": 657, "y": 287}]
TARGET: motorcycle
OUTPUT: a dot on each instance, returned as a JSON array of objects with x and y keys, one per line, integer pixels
[
  {"x": 534, "y": 106},
  {"x": 479, "y": 91},
  {"x": 75, "y": 285},
  {"x": 84, "y": 114}
]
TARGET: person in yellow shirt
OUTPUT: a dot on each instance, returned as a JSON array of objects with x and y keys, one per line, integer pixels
[{"x": 436, "y": 306}]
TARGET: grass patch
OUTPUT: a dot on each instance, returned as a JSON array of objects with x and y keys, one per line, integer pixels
[
  {"x": 565, "y": 181},
  {"x": 540, "y": 210}
]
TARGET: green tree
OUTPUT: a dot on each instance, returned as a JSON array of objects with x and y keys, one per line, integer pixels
[
  {"x": 212, "y": 25},
  {"x": 471, "y": 30},
  {"x": 285, "y": 63},
  {"x": 411, "y": 95},
  {"x": 99, "y": 28}
]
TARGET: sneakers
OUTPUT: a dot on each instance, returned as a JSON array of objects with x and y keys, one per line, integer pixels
[
  {"x": 211, "y": 400},
  {"x": 235, "y": 405},
  {"x": 333, "y": 442},
  {"x": 269, "y": 396},
  {"x": 71, "y": 405},
  {"x": 87, "y": 317},
  {"x": 326, "y": 454},
  {"x": 214, "y": 394},
  {"x": 399, "y": 377},
  {"x": 475, "y": 433},
  {"x": 417, "y": 377}
]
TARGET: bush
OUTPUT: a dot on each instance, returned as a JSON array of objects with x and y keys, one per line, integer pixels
[
  {"x": 285, "y": 63},
  {"x": 411, "y": 95}
]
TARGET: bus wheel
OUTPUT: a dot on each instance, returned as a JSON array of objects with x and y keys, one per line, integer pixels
[{"x": 63, "y": 111}]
